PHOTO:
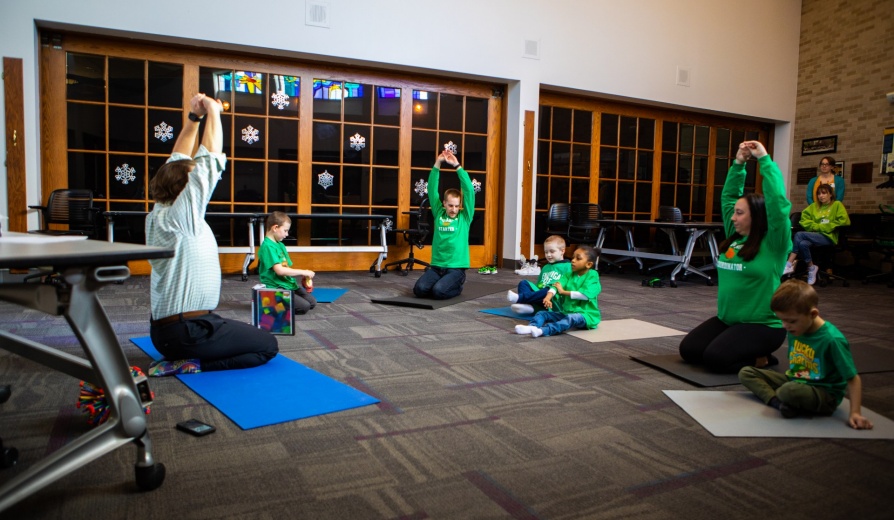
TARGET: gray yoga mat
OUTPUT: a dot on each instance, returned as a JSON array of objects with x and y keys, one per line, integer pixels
[
  {"x": 471, "y": 291},
  {"x": 867, "y": 358}
]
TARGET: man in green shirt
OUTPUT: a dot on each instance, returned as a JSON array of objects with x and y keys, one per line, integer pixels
[{"x": 450, "y": 244}]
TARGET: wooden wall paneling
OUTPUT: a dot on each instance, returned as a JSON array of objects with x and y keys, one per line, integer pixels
[
  {"x": 14, "y": 105},
  {"x": 527, "y": 205}
]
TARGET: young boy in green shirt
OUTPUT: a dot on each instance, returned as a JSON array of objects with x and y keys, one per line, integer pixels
[
  {"x": 275, "y": 266},
  {"x": 577, "y": 306},
  {"x": 820, "y": 364},
  {"x": 529, "y": 293}
]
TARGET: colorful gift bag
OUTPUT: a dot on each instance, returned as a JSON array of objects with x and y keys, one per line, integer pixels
[{"x": 271, "y": 310}]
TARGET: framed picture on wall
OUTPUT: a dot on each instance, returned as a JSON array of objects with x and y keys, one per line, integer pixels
[
  {"x": 818, "y": 145},
  {"x": 839, "y": 168}
]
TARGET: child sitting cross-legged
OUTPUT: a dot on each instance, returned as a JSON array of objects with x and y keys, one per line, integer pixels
[
  {"x": 571, "y": 302},
  {"x": 275, "y": 266},
  {"x": 529, "y": 293},
  {"x": 820, "y": 364}
]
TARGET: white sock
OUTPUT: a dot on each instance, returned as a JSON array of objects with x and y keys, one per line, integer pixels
[
  {"x": 522, "y": 308},
  {"x": 511, "y": 296},
  {"x": 536, "y": 332},
  {"x": 524, "y": 329}
]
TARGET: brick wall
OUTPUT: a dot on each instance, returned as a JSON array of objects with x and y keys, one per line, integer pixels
[{"x": 845, "y": 69}]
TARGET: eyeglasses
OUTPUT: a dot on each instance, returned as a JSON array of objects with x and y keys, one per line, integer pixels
[{"x": 825, "y": 164}]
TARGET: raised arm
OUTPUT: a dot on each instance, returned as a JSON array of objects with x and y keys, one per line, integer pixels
[
  {"x": 212, "y": 139},
  {"x": 187, "y": 141},
  {"x": 777, "y": 204}
]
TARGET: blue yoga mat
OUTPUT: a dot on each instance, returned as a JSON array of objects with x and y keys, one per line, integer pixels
[
  {"x": 279, "y": 391},
  {"x": 507, "y": 312},
  {"x": 328, "y": 294}
]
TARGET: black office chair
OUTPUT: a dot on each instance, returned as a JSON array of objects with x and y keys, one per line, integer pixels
[
  {"x": 584, "y": 227},
  {"x": 8, "y": 456},
  {"x": 415, "y": 237},
  {"x": 73, "y": 208},
  {"x": 558, "y": 219},
  {"x": 884, "y": 244}
]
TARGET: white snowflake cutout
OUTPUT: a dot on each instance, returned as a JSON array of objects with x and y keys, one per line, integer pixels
[
  {"x": 476, "y": 185},
  {"x": 250, "y": 134},
  {"x": 325, "y": 179},
  {"x": 358, "y": 142},
  {"x": 163, "y": 132},
  {"x": 279, "y": 99},
  {"x": 421, "y": 187},
  {"x": 451, "y": 147},
  {"x": 125, "y": 173}
]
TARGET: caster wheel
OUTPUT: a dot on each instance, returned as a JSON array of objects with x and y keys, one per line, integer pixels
[
  {"x": 378, "y": 274},
  {"x": 149, "y": 477},
  {"x": 9, "y": 457},
  {"x": 620, "y": 270},
  {"x": 403, "y": 273},
  {"x": 244, "y": 277},
  {"x": 673, "y": 283},
  {"x": 709, "y": 282}
]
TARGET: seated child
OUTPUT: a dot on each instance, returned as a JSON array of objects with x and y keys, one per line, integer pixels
[
  {"x": 820, "y": 364},
  {"x": 530, "y": 293},
  {"x": 275, "y": 266},
  {"x": 576, "y": 306}
]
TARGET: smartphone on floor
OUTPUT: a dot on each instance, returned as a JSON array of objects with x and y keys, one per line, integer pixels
[{"x": 195, "y": 427}]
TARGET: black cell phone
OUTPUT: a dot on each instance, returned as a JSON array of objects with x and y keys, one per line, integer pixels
[{"x": 195, "y": 427}]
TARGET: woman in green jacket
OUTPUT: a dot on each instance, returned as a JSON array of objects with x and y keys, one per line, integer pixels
[{"x": 820, "y": 221}]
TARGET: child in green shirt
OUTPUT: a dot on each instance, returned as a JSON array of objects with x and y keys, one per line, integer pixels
[
  {"x": 529, "y": 293},
  {"x": 577, "y": 306},
  {"x": 820, "y": 364},
  {"x": 275, "y": 266}
]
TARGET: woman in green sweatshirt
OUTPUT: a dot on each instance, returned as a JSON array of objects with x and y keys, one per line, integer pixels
[
  {"x": 820, "y": 221},
  {"x": 745, "y": 331}
]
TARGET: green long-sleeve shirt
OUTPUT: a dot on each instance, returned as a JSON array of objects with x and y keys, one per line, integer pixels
[
  {"x": 450, "y": 242},
  {"x": 825, "y": 219},
  {"x": 745, "y": 288}
]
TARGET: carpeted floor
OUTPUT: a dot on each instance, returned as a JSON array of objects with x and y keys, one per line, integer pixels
[{"x": 475, "y": 422}]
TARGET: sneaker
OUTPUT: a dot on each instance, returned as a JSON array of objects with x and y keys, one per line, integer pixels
[
  {"x": 487, "y": 270},
  {"x": 522, "y": 308},
  {"x": 173, "y": 368},
  {"x": 811, "y": 274},
  {"x": 511, "y": 297},
  {"x": 522, "y": 263},
  {"x": 789, "y": 269},
  {"x": 534, "y": 270}
]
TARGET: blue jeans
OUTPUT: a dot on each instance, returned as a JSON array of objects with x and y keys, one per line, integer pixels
[
  {"x": 552, "y": 323},
  {"x": 804, "y": 240},
  {"x": 440, "y": 283},
  {"x": 528, "y": 295}
]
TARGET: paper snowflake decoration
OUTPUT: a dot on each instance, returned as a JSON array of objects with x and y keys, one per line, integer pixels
[
  {"x": 476, "y": 185},
  {"x": 421, "y": 187},
  {"x": 280, "y": 100},
  {"x": 163, "y": 132},
  {"x": 250, "y": 134},
  {"x": 451, "y": 147},
  {"x": 125, "y": 173},
  {"x": 325, "y": 179},
  {"x": 387, "y": 224},
  {"x": 358, "y": 142}
]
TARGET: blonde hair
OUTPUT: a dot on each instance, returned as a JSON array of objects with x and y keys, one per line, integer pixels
[
  {"x": 556, "y": 240},
  {"x": 794, "y": 296}
]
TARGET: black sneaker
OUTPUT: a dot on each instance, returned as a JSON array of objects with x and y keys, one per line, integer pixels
[{"x": 788, "y": 412}]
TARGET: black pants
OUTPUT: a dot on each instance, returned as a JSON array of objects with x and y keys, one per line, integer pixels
[
  {"x": 726, "y": 348},
  {"x": 440, "y": 283},
  {"x": 219, "y": 344}
]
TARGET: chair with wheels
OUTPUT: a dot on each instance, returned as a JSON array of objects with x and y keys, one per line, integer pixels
[
  {"x": 415, "y": 237},
  {"x": 558, "y": 219},
  {"x": 8, "y": 456},
  {"x": 72, "y": 208}
]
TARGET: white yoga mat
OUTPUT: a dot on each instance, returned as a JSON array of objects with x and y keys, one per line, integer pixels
[
  {"x": 741, "y": 414},
  {"x": 620, "y": 330}
]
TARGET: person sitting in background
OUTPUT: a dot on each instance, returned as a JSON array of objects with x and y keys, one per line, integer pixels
[
  {"x": 820, "y": 221},
  {"x": 826, "y": 175}
]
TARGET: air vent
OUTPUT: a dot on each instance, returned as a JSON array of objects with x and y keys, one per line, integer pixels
[
  {"x": 317, "y": 14},
  {"x": 532, "y": 49}
]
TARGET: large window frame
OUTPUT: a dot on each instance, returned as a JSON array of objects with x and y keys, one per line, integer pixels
[{"x": 55, "y": 146}]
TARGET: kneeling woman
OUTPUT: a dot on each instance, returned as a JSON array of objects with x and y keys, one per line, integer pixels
[{"x": 745, "y": 331}]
